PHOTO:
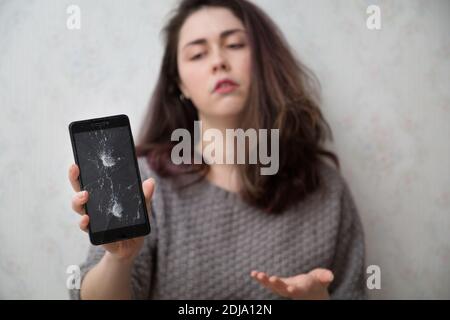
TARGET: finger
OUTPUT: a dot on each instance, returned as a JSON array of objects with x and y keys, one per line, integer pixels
[
  {"x": 297, "y": 286},
  {"x": 259, "y": 276},
  {"x": 279, "y": 286},
  {"x": 78, "y": 201},
  {"x": 296, "y": 292},
  {"x": 300, "y": 279},
  {"x": 272, "y": 283},
  {"x": 262, "y": 278},
  {"x": 148, "y": 187},
  {"x": 309, "y": 286},
  {"x": 84, "y": 223},
  {"x": 74, "y": 172}
]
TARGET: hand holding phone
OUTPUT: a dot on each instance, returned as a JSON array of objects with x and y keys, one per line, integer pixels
[{"x": 121, "y": 250}]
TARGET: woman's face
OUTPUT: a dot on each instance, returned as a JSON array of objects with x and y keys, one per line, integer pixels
[{"x": 213, "y": 46}]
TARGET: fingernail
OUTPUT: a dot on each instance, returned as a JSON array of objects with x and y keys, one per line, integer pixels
[{"x": 81, "y": 194}]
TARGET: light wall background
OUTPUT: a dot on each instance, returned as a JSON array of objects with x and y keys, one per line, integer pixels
[{"x": 385, "y": 93}]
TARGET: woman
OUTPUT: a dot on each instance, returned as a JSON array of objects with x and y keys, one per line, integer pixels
[{"x": 225, "y": 231}]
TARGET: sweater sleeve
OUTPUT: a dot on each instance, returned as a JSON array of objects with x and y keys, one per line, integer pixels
[
  {"x": 349, "y": 260},
  {"x": 141, "y": 273}
]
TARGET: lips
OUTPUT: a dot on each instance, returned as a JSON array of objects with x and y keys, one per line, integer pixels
[{"x": 225, "y": 86}]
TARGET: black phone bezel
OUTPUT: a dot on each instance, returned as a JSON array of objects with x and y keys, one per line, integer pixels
[{"x": 113, "y": 235}]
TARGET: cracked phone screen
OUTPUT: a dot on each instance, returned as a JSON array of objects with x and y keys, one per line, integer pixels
[{"x": 109, "y": 174}]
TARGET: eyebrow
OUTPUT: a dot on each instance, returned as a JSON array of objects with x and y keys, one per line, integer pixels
[{"x": 223, "y": 34}]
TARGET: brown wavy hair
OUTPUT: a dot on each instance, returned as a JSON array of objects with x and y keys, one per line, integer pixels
[{"x": 283, "y": 95}]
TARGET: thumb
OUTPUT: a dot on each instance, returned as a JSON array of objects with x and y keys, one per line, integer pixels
[
  {"x": 325, "y": 276},
  {"x": 148, "y": 186}
]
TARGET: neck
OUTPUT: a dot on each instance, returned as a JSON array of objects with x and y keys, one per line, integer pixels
[{"x": 223, "y": 175}]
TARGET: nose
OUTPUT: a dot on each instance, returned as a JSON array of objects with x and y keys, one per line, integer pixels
[{"x": 219, "y": 62}]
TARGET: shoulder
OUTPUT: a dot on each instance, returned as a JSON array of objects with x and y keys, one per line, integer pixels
[
  {"x": 338, "y": 193},
  {"x": 332, "y": 180},
  {"x": 335, "y": 191}
]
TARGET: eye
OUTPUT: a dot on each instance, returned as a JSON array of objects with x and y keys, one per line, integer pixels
[
  {"x": 236, "y": 45},
  {"x": 197, "y": 56}
]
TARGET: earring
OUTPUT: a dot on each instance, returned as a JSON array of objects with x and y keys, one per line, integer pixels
[{"x": 183, "y": 98}]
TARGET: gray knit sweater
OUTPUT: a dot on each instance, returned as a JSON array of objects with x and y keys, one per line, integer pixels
[{"x": 206, "y": 240}]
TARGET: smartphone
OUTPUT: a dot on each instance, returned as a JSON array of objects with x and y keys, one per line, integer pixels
[{"x": 104, "y": 151}]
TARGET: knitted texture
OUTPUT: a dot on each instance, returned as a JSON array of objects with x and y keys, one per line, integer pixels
[{"x": 205, "y": 241}]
